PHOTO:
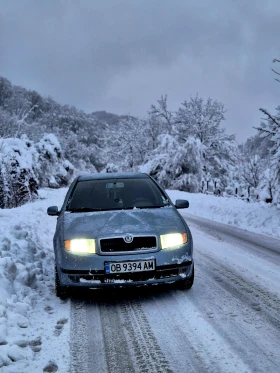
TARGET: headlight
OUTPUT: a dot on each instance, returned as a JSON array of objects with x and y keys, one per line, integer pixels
[
  {"x": 172, "y": 240},
  {"x": 80, "y": 246}
]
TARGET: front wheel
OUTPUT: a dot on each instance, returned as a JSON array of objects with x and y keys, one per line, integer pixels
[
  {"x": 187, "y": 283},
  {"x": 61, "y": 292}
]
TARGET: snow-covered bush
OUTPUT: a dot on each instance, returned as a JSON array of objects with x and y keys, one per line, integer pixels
[
  {"x": 110, "y": 167},
  {"x": 18, "y": 181},
  {"x": 25, "y": 166},
  {"x": 53, "y": 171},
  {"x": 187, "y": 182}
]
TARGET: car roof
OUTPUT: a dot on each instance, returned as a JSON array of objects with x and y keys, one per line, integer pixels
[{"x": 113, "y": 175}]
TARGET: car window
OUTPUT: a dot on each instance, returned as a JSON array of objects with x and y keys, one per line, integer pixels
[{"x": 116, "y": 194}]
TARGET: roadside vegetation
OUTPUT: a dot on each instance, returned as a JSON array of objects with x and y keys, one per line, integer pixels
[{"x": 45, "y": 144}]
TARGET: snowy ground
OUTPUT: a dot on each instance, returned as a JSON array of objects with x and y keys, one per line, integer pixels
[
  {"x": 34, "y": 324},
  {"x": 259, "y": 217}
]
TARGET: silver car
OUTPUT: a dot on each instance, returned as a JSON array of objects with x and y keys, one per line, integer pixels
[{"x": 120, "y": 229}]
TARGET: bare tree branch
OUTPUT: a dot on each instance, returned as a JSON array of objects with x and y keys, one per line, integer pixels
[
  {"x": 275, "y": 72},
  {"x": 269, "y": 133},
  {"x": 270, "y": 117}
]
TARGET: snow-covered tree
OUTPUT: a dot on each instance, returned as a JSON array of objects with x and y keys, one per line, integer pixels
[
  {"x": 269, "y": 132},
  {"x": 155, "y": 127},
  {"x": 159, "y": 163},
  {"x": 6, "y": 91},
  {"x": 176, "y": 165},
  {"x": 270, "y": 129},
  {"x": 125, "y": 145},
  {"x": 253, "y": 159},
  {"x": 7, "y": 128},
  {"x": 77, "y": 133},
  {"x": 251, "y": 171},
  {"x": 203, "y": 122},
  {"x": 200, "y": 120},
  {"x": 161, "y": 112}
]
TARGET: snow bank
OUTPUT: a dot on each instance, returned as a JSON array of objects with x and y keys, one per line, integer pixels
[
  {"x": 258, "y": 217},
  {"x": 27, "y": 299}
]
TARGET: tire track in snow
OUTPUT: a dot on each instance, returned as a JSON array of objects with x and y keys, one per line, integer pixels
[
  {"x": 116, "y": 338},
  {"x": 118, "y": 357},
  {"x": 251, "y": 294},
  {"x": 243, "y": 274},
  {"x": 147, "y": 353},
  {"x": 78, "y": 347},
  {"x": 235, "y": 310},
  {"x": 188, "y": 339}
]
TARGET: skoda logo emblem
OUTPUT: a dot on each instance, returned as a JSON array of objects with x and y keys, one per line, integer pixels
[{"x": 128, "y": 238}]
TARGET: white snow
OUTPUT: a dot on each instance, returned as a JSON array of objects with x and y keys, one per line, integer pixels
[
  {"x": 34, "y": 324},
  {"x": 22, "y": 150},
  {"x": 258, "y": 217}
]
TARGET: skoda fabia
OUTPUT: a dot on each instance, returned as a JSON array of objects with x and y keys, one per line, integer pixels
[{"x": 120, "y": 229}]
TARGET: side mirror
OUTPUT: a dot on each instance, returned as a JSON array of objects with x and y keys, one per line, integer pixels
[
  {"x": 53, "y": 211},
  {"x": 181, "y": 204}
]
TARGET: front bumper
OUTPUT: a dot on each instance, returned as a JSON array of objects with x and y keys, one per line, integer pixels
[{"x": 98, "y": 278}]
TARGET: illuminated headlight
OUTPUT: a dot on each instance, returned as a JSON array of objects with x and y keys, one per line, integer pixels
[
  {"x": 173, "y": 239},
  {"x": 80, "y": 246}
]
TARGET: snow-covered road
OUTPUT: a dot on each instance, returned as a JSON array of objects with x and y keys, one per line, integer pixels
[{"x": 228, "y": 322}]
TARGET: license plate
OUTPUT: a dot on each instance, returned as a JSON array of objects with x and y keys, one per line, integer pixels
[{"x": 135, "y": 266}]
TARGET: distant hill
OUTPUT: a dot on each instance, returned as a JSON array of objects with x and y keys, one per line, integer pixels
[{"x": 105, "y": 117}]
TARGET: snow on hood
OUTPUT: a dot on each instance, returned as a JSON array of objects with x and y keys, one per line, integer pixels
[{"x": 118, "y": 222}]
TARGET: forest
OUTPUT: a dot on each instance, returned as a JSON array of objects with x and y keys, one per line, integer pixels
[{"x": 46, "y": 144}]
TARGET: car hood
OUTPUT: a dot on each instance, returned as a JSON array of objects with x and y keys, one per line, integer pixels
[{"x": 119, "y": 222}]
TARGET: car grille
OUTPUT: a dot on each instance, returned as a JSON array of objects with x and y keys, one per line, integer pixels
[{"x": 109, "y": 245}]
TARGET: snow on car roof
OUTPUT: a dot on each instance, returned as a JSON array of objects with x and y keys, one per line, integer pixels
[{"x": 113, "y": 175}]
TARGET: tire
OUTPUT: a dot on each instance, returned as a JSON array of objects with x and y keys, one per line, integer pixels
[
  {"x": 61, "y": 292},
  {"x": 186, "y": 283}
]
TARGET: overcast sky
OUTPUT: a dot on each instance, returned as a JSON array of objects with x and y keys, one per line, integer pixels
[{"x": 122, "y": 55}]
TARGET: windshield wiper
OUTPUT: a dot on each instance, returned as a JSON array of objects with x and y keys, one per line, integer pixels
[
  {"x": 89, "y": 209},
  {"x": 84, "y": 209},
  {"x": 148, "y": 207}
]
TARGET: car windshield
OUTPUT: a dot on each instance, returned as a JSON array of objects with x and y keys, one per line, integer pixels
[{"x": 111, "y": 194}]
